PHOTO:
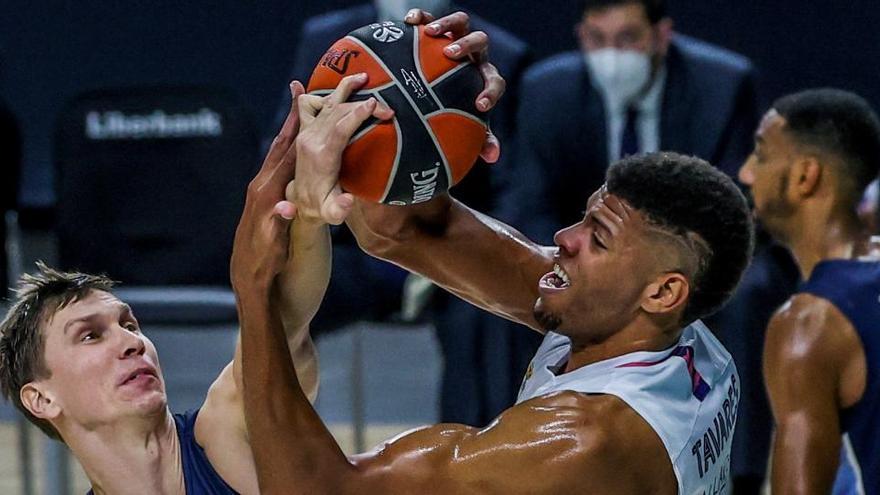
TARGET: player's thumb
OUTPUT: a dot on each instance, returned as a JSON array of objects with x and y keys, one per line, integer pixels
[
  {"x": 337, "y": 206},
  {"x": 284, "y": 211}
]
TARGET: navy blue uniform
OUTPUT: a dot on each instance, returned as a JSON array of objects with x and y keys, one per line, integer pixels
[
  {"x": 198, "y": 474},
  {"x": 854, "y": 288}
]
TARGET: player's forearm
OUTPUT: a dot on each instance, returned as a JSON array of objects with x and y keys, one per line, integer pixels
[
  {"x": 301, "y": 288},
  {"x": 803, "y": 463},
  {"x": 472, "y": 255},
  {"x": 296, "y": 450}
]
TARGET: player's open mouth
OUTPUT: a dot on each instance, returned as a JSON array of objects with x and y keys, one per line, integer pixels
[
  {"x": 142, "y": 374},
  {"x": 555, "y": 280}
]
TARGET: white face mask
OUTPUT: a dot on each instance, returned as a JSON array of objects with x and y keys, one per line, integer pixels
[
  {"x": 620, "y": 75},
  {"x": 395, "y": 10}
]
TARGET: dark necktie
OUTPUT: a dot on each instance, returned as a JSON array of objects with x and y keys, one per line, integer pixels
[{"x": 629, "y": 140}]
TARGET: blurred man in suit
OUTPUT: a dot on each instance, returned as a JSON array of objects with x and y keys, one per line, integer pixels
[
  {"x": 484, "y": 363},
  {"x": 636, "y": 86}
]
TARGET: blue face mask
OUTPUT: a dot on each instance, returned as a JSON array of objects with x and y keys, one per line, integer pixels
[{"x": 395, "y": 10}]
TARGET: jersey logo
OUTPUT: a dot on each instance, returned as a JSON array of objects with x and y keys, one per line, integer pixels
[{"x": 700, "y": 387}]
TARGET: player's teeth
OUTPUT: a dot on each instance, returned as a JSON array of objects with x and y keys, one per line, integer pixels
[{"x": 561, "y": 273}]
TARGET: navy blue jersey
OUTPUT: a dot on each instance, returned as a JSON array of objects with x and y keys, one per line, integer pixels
[
  {"x": 854, "y": 288},
  {"x": 198, "y": 474}
]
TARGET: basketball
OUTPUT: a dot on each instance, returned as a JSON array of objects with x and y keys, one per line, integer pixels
[{"x": 437, "y": 132}]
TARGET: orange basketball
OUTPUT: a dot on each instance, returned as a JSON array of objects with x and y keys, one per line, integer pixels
[{"x": 437, "y": 132}]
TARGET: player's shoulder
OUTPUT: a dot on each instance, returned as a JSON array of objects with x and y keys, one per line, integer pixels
[
  {"x": 807, "y": 328},
  {"x": 603, "y": 423},
  {"x": 557, "y": 69},
  {"x": 710, "y": 56},
  {"x": 611, "y": 437}
]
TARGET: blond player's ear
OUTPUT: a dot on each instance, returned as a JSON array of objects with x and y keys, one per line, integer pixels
[{"x": 38, "y": 401}]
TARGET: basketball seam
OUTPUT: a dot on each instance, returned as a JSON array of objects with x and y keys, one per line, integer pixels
[
  {"x": 398, "y": 149},
  {"x": 325, "y": 92},
  {"x": 458, "y": 112},
  {"x": 413, "y": 105},
  {"x": 418, "y": 63},
  {"x": 362, "y": 133},
  {"x": 446, "y": 75}
]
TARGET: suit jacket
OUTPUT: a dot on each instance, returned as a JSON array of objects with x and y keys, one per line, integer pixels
[
  {"x": 509, "y": 54},
  {"x": 709, "y": 109}
]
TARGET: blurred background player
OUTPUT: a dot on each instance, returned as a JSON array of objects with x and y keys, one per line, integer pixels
[{"x": 815, "y": 153}]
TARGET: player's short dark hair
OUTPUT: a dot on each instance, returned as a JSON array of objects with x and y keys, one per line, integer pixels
[
  {"x": 685, "y": 196},
  {"x": 837, "y": 122},
  {"x": 654, "y": 9},
  {"x": 22, "y": 343}
]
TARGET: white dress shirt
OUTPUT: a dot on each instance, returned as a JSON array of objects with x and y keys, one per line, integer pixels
[{"x": 648, "y": 124}]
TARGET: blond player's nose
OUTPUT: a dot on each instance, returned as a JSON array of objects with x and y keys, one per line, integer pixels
[{"x": 131, "y": 344}]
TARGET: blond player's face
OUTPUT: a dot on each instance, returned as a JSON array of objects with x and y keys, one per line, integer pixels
[
  {"x": 102, "y": 367},
  {"x": 601, "y": 271}
]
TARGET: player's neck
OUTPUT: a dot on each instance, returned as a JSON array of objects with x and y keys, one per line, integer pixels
[
  {"x": 143, "y": 457},
  {"x": 826, "y": 234},
  {"x": 635, "y": 337}
]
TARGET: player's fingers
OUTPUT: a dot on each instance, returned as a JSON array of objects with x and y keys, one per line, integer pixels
[
  {"x": 475, "y": 45},
  {"x": 616, "y": 206},
  {"x": 285, "y": 210},
  {"x": 418, "y": 16},
  {"x": 286, "y": 169},
  {"x": 457, "y": 24},
  {"x": 493, "y": 87},
  {"x": 348, "y": 124},
  {"x": 284, "y": 138},
  {"x": 289, "y": 191},
  {"x": 346, "y": 87},
  {"x": 491, "y": 148},
  {"x": 607, "y": 218},
  {"x": 337, "y": 206},
  {"x": 291, "y": 123},
  {"x": 383, "y": 111},
  {"x": 309, "y": 107}
]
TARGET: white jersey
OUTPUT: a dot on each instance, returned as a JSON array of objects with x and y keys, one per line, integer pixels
[{"x": 687, "y": 393}]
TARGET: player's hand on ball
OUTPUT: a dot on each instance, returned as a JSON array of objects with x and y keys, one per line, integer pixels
[
  {"x": 468, "y": 44},
  {"x": 327, "y": 125}
]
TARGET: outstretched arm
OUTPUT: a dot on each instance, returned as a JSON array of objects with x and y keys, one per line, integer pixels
[{"x": 220, "y": 427}]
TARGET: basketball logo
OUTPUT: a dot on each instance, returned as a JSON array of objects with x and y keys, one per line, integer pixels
[{"x": 387, "y": 34}]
